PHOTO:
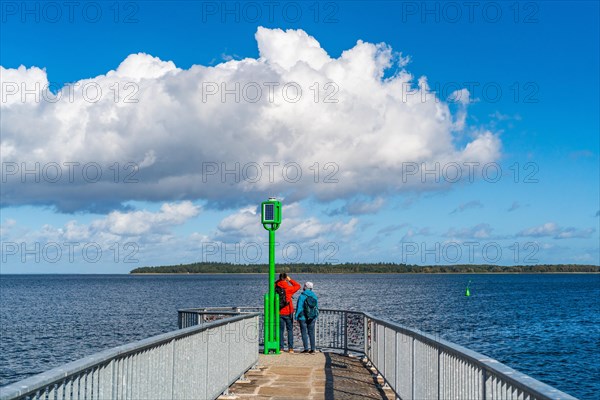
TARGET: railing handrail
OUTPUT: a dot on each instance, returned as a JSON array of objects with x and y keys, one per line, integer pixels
[
  {"x": 55, "y": 375},
  {"x": 244, "y": 310},
  {"x": 494, "y": 366}
]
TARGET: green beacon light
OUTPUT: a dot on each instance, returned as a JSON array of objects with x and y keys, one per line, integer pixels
[
  {"x": 468, "y": 291},
  {"x": 271, "y": 219},
  {"x": 271, "y": 214}
]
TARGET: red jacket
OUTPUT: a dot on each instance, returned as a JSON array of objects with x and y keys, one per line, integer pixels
[{"x": 290, "y": 288}]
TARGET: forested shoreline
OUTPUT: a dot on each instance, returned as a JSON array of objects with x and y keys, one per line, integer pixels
[{"x": 357, "y": 268}]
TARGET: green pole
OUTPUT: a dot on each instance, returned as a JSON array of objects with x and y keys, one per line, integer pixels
[
  {"x": 266, "y": 324},
  {"x": 276, "y": 335},
  {"x": 272, "y": 268},
  {"x": 274, "y": 317},
  {"x": 271, "y": 219}
]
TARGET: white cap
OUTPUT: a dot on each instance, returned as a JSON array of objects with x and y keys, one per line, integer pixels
[{"x": 308, "y": 285}]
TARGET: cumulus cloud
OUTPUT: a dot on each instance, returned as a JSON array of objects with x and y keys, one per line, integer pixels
[
  {"x": 391, "y": 229},
  {"x": 551, "y": 229},
  {"x": 6, "y": 226},
  {"x": 242, "y": 226},
  {"x": 119, "y": 239},
  {"x": 514, "y": 206},
  {"x": 412, "y": 232},
  {"x": 335, "y": 127},
  {"x": 479, "y": 231},
  {"x": 122, "y": 240},
  {"x": 359, "y": 207},
  {"x": 467, "y": 206},
  {"x": 142, "y": 222},
  {"x": 574, "y": 233},
  {"x": 504, "y": 117},
  {"x": 547, "y": 229}
]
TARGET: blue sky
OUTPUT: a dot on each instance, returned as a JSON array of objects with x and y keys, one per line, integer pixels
[{"x": 529, "y": 122}]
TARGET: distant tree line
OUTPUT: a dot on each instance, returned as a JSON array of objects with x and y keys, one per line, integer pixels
[{"x": 353, "y": 268}]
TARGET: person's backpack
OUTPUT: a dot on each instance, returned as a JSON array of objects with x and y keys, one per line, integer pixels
[
  {"x": 311, "y": 311},
  {"x": 282, "y": 297}
]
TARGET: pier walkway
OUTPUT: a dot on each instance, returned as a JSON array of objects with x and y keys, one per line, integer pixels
[{"x": 309, "y": 376}]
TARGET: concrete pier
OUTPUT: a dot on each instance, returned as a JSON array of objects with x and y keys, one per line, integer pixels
[{"x": 309, "y": 376}]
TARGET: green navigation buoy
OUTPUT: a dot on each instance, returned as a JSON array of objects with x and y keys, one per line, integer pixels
[
  {"x": 468, "y": 291},
  {"x": 271, "y": 219}
]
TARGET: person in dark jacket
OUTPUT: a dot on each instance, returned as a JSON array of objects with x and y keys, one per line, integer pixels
[
  {"x": 306, "y": 319},
  {"x": 287, "y": 312}
]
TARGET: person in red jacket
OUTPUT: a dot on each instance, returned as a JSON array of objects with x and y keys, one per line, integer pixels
[{"x": 286, "y": 312}]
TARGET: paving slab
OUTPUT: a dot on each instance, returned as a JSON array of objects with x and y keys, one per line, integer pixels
[{"x": 323, "y": 376}]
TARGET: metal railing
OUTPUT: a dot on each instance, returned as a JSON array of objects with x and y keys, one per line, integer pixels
[
  {"x": 334, "y": 329},
  {"x": 414, "y": 364},
  {"x": 417, "y": 365},
  {"x": 198, "y": 362}
]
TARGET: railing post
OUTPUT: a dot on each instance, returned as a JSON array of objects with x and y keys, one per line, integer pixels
[
  {"x": 412, "y": 390},
  {"x": 173, "y": 369},
  {"x": 382, "y": 364},
  {"x": 345, "y": 333},
  {"x": 318, "y": 343},
  {"x": 483, "y": 383},
  {"x": 115, "y": 378},
  {"x": 396, "y": 372},
  {"x": 439, "y": 352},
  {"x": 366, "y": 335}
]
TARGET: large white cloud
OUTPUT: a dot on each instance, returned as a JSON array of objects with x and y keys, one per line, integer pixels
[{"x": 182, "y": 136}]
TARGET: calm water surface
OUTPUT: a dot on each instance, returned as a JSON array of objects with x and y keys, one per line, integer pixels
[{"x": 547, "y": 326}]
